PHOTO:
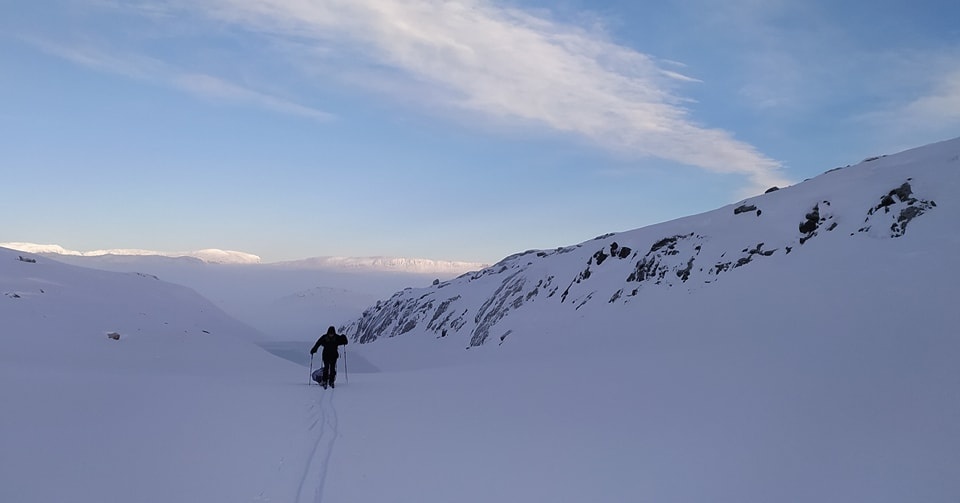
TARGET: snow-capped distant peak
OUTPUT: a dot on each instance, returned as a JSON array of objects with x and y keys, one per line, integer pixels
[
  {"x": 217, "y": 256},
  {"x": 36, "y": 248},
  {"x": 393, "y": 264},
  {"x": 210, "y": 255},
  {"x": 225, "y": 256}
]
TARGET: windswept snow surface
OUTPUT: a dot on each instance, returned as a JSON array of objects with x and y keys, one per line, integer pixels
[{"x": 826, "y": 375}]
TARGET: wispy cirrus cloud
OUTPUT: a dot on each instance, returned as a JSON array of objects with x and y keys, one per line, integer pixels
[
  {"x": 895, "y": 73},
  {"x": 492, "y": 62},
  {"x": 928, "y": 105},
  {"x": 216, "y": 88},
  {"x": 140, "y": 67},
  {"x": 504, "y": 64},
  {"x": 940, "y": 106}
]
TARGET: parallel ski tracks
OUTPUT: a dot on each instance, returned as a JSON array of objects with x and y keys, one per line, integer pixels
[{"x": 315, "y": 473}]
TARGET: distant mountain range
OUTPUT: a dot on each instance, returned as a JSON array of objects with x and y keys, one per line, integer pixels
[
  {"x": 385, "y": 264},
  {"x": 217, "y": 256},
  {"x": 211, "y": 255},
  {"x": 285, "y": 300}
]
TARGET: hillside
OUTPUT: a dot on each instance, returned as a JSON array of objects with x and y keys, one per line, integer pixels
[
  {"x": 286, "y": 301},
  {"x": 171, "y": 409},
  {"x": 802, "y": 350},
  {"x": 858, "y": 220}
]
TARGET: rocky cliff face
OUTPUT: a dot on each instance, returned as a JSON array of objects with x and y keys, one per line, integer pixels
[{"x": 873, "y": 202}]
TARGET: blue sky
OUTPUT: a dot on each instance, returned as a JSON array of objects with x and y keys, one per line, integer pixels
[{"x": 448, "y": 130}]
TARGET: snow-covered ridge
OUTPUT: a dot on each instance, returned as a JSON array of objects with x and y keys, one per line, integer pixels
[
  {"x": 854, "y": 210},
  {"x": 209, "y": 255}
]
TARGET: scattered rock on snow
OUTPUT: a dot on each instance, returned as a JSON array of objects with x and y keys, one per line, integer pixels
[
  {"x": 813, "y": 220},
  {"x": 899, "y": 207}
]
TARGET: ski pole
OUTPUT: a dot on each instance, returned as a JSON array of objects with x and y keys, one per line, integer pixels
[
  {"x": 345, "y": 373},
  {"x": 310, "y": 376}
]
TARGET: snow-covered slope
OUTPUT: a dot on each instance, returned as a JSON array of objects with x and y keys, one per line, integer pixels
[
  {"x": 77, "y": 306},
  {"x": 732, "y": 356},
  {"x": 173, "y": 409},
  {"x": 284, "y": 302},
  {"x": 894, "y": 208}
]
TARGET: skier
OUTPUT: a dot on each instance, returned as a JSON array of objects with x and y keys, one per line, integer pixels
[{"x": 329, "y": 341}]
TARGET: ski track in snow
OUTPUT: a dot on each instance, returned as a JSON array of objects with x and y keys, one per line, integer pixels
[{"x": 325, "y": 417}]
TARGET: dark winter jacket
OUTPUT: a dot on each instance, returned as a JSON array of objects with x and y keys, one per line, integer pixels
[{"x": 329, "y": 341}]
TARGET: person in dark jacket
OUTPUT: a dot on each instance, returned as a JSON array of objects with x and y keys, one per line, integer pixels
[{"x": 329, "y": 341}]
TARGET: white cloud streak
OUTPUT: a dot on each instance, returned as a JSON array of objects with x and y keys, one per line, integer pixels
[
  {"x": 153, "y": 70},
  {"x": 492, "y": 62},
  {"x": 922, "y": 111},
  {"x": 213, "y": 87},
  {"x": 939, "y": 108},
  {"x": 505, "y": 64}
]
